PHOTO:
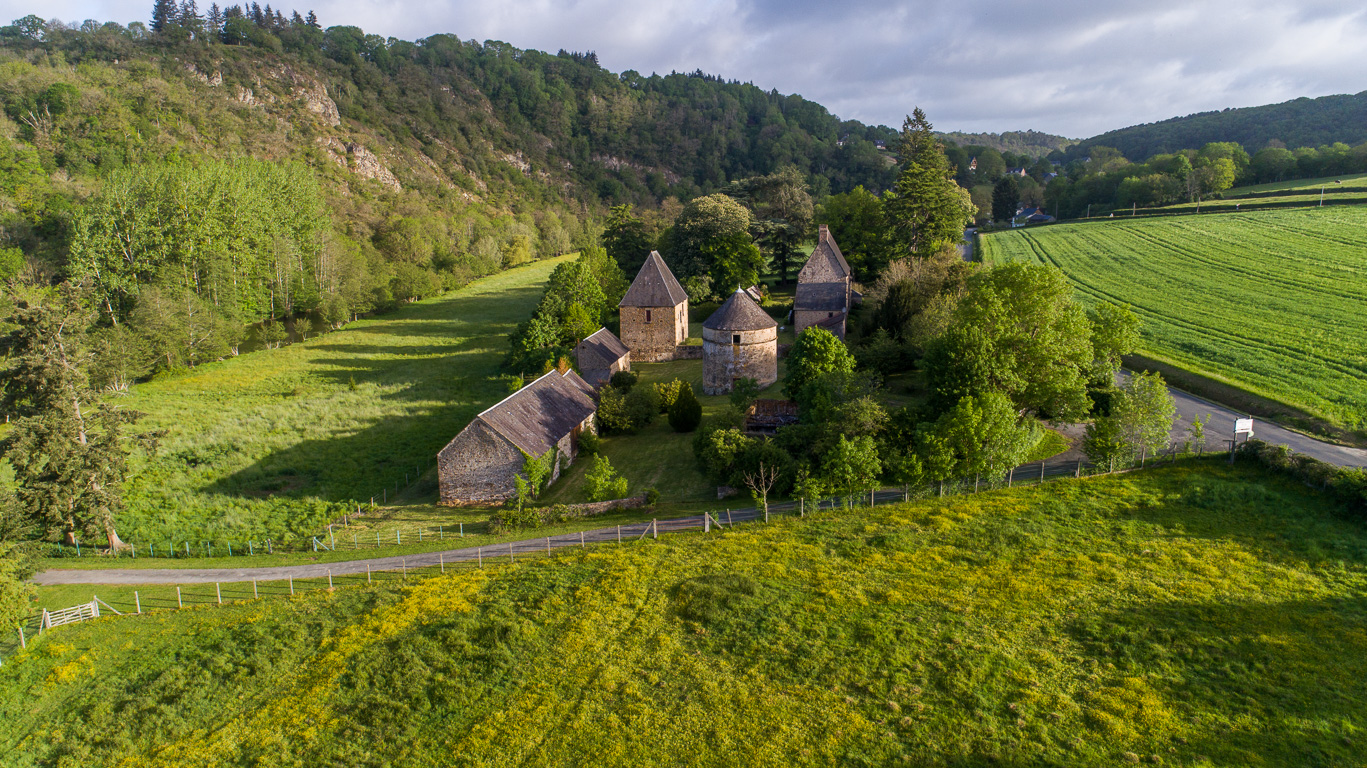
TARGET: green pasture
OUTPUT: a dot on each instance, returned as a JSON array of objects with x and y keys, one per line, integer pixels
[
  {"x": 1270, "y": 301},
  {"x": 1199, "y": 615},
  {"x": 1298, "y": 185},
  {"x": 275, "y": 443}
]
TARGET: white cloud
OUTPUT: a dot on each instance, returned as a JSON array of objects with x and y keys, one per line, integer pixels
[{"x": 1074, "y": 67}]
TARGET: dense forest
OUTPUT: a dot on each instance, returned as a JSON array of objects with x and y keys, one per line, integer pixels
[{"x": 1302, "y": 122}]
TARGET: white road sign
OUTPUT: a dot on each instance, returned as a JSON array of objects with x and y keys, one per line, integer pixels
[{"x": 1243, "y": 426}]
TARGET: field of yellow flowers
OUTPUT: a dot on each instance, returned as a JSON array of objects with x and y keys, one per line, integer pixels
[{"x": 1198, "y": 615}]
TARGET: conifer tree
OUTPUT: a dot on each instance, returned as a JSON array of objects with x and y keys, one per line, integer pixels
[
  {"x": 67, "y": 448},
  {"x": 215, "y": 19},
  {"x": 163, "y": 15},
  {"x": 927, "y": 209},
  {"x": 312, "y": 19}
]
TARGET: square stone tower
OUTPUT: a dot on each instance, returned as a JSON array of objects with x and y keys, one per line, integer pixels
[{"x": 654, "y": 312}]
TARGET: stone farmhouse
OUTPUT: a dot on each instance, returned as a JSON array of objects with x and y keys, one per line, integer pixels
[
  {"x": 601, "y": 355},
  {"x": 739, "y": 341},
  {"x": 823, "y": 288},
  {"x": 478, "y": 465},
  {"x": 654, "y": 312}
]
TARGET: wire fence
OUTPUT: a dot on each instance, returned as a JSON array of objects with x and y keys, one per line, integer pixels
[{"x": 197, "y": 589}]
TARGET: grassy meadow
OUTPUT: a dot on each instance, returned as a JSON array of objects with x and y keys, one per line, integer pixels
[
  {"x": 1201, "y": 615},
  {"x": 1269, "y": 301},
  {"x": 273, "y": 443}
]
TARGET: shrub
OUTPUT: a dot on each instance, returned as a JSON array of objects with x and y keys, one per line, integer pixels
[
  {"x": 686, "y": 413},
  {"x": 643, "y": 405},
  {"x": 513, "y": 519},
  {"x": 652, "y": 497},
  {"x": 744, "y": 391},
  {"x": 668, "y": 392},
  {"x": 626, "y": 414},
  {"x": 590, "y": 443},
  {"x": 623, "y": 381},
  {"x": 602, "y": 481}
]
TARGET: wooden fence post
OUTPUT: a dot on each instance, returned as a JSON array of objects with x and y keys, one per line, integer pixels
[
  {"x": 581, "y": 539},
  {"x": 291, "y": 585},
  {"x": 329, "y": 578},
  {"x": 548, "y": 545},
  {"x": 706, "y": 523},
  {"x": 1079, "y": 469},
  {"x": 1010, "y": 477},
  {"x": 654, "y": 529},
  {"x": 510, "y": 552},
  {"x": 441, "y": 559},
  {"x": 479, "y": 554},
  {"x": 23, "y": 643},
  {"x": 728, "y": 519},
  {"x": 218, "y": 590},
  {"x": 462, "y": 530},
  {"x": 179, "y": 603},
  {"x": 619, "y": 534},
  {"x": 137, "y": 601},
  {"x": 255, "y": 593},
  {"x": 403, "y": 563}
]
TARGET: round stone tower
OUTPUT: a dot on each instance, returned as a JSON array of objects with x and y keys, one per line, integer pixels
[{"x": 739, "y": 341}]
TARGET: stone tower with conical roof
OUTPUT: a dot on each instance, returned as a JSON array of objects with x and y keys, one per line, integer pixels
[
  {"x": 739, "y": 341},
  {"x": 654, "y": 312}
]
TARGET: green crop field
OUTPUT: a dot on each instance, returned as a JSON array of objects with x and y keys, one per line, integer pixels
[
  {"x": 1304, "y": 186},
  {"x": 1200, "y": 615},
  {"x": 273, "y": 443},
  {"x": 1271, "y": 301}
]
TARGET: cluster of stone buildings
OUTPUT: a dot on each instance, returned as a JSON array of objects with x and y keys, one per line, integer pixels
[{"x": 739, "y": 340}]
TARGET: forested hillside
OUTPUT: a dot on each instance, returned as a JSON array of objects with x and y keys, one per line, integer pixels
[
  {"x": 1302, "y": 122},
  {"x": 224, "y": 170}
]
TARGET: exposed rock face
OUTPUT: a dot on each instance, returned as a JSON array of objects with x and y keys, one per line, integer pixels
[
  {"x": 214, "y": 80},
  {"x": 518, "y": 161},
  {"x": 315, "y": 98},
  {"x": 614, "y": 163},
  {"x": 365, "y": 164}
]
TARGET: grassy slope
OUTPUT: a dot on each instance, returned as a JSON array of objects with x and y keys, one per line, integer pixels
[
  {"x": 1270, "y": 301},
  {"x": 253, "y": 442},
  {"x": 1207, "y": 616}
]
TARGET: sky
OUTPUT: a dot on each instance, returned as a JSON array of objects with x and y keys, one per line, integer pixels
[{"x": 1070, "y": 67}]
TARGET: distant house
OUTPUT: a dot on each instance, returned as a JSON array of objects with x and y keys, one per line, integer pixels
[
  {"x": 601, "y": 355},
  {"x": 478, "y": 465},
  {"x": 823, "y": 288},
  {"x": 1050, "y": 176},
  {"x": 973, "y": 164},
  {"x": 880, "y": 144},
  {"x": 1030, "y": 215},
  {"x": 654, "y": 312},
  {"x": 1016, "y": 172}
]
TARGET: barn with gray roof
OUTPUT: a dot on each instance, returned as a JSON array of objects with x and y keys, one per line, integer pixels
[{"x": 549, "y": 414}]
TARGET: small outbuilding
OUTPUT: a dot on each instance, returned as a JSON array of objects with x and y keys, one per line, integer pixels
[
  {"x": 601, "y": 355},
  {"x": 739, "y": 341},
  {"x": 548, "y": 414},
  {"x": 654, "y": 312}
]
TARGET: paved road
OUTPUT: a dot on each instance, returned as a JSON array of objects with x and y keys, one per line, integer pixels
[{"x": 1221, "y": 429}]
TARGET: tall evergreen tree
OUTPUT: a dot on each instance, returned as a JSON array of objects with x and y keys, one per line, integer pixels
[
  {"x": 257, "y": 16},
  {"x": 312, "y": 19},
  {"x": 67, "y": 448},
  {"x": 1006, "y": 195},
  {"x": 927, "y": 209},
  {"x": 188, "y": 17},
  {"x": 214, "y": 19},
  {"x": 163, "y": 15}
]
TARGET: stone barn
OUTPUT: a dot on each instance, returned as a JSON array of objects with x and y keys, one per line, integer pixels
[
  {"x": 823, "y": 288},
  {"x": 654, "y": 312},
  {"x": 601, "y": 355},
  {"x": 739, "y": 341},
  {"x": 478, "y": 465}
]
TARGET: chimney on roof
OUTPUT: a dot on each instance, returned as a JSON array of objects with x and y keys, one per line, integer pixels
[{"x": 823, "y": 234}]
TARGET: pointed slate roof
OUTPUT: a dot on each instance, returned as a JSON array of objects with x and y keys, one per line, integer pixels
[
  {"x": 826, "y": 248},
  {"x": 820, "y": 297},
  {"x": 600, "y": 350},
  {"x": 739, "y": 313},
  {"x": 654, "y": 286},
  {"x": 535, "y": 417}
]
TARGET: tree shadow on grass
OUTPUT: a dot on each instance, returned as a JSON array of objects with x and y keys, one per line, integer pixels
[
  {"x": 1240, "y": 683},
  {"x": 438, "y": 387}
]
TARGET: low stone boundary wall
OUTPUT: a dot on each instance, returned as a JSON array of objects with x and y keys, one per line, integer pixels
[
  {"x": 682, "y": 352},
  {"x": 590, "y": 509}
]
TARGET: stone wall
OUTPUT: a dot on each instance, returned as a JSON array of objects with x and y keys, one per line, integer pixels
[
  {"x": 725, "y": 360},
  {"x": 477, "y": 466},
  {"x": 599, "y": 507},
  {"x": 804, "y": 318},
  {"x": 654, "y": 341}
]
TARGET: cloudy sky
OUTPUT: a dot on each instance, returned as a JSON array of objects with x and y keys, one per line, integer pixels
[{"x": 1073, "y": 67}]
